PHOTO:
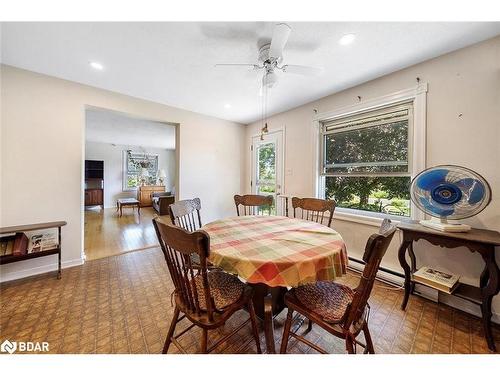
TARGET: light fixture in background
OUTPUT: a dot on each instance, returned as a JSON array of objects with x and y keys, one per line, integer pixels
[
  {"x": 96, "y": 65},
  {"x": 227, "y": 105},
  {"x": 347, "y": 39},
  {"x": 144, "y": 176}
]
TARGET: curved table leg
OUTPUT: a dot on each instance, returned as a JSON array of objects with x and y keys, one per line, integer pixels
[
  {"x": 489, "y": 282},
  {"x": 413, "y": 265},
  {"x": 406, "y": 268}
]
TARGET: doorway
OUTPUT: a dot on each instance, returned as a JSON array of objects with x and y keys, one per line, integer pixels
[
  {"x": 132, "y": 162},
  {"x": 268, "y": 167}
]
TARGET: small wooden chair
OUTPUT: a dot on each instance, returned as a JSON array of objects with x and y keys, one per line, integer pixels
[
  {"x": 207, "y": 299},
  {"x": 338, "y": 309},
  {"x": 314, "y": 209},
  {"x": 186, "y": 214},
  {"x": 253, "y": 204}
]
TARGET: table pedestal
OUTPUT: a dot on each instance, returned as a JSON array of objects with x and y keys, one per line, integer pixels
[{"x": 268, "y": 302}]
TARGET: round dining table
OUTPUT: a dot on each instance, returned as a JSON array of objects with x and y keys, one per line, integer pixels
[{"x": 273, "y": 253}]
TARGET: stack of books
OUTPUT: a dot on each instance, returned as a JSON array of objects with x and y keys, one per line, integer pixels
[
  {"x": 436, "y": 279},
  {"x": 14, "y": 245}
]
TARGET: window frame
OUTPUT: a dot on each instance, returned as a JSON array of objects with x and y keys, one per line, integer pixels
[
  {"x": 336, "y": 129},
  {"x": 125, "y": 170},
  {"x": 416, "y": 146}
]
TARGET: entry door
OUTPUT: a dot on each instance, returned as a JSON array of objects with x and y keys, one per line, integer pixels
[{"x": 267, "y": 167}]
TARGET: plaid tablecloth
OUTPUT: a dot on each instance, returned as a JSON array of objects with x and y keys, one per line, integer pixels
[{"x": 276, "y": 250}]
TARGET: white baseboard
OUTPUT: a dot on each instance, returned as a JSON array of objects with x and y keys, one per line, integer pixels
[
  {"x": 8, "y": 276},
  {"x": 432, "y": 294}
]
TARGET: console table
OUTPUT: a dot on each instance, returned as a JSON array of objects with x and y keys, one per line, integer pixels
[
  {"x": 34, "y": 227},
  {"x": 476, "y": 240}
]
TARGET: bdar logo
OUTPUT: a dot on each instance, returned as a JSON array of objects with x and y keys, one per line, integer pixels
[{"x": 8, "y": 346}]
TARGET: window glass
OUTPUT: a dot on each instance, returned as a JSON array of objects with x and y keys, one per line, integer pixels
[{"x": 366, "y": 163}]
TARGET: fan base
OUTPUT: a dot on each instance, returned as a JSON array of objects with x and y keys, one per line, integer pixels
[{"x": 444, "y": 226}]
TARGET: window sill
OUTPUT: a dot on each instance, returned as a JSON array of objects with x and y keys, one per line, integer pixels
[{"x": 374, "y": 219}]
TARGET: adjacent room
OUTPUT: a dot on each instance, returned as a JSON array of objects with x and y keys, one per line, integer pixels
[
  {"x": 267, "y": 187},
  {"x": 130, "y": 166}
]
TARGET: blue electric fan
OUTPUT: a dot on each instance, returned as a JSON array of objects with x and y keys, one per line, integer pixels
[{"x": 449, "y": 192}]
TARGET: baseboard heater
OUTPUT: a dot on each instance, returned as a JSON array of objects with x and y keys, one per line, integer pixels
[{"x": 380, "y": 277}]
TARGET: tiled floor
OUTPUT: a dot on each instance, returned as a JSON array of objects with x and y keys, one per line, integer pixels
[{"x": 121, "y": 304}]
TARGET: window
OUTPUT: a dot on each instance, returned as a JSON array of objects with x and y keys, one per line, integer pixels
[
  {"x": 139, "y": 166},
  {"x": 366, "y": 160}
]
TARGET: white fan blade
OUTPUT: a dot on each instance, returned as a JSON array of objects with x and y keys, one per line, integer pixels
[
  {"x": 303, "y": 70},
  {"x": 280, "y": 37},
  {"x": 253, "y": 66}
]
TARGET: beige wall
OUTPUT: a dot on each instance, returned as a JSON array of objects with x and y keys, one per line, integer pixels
[
  {"x": 463, "y": 128},
  {"x": 42, "y": 151}
]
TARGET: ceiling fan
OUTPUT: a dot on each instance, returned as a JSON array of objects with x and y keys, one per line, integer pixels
[{"x": 270, "y": 59}]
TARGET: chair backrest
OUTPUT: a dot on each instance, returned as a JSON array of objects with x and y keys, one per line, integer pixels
[
  {"x": 186, "y": 214},
  {"x": 375, "y": 249},
  {"x": 314, "y": 209},
  {"x": 177, "y": 245},
  {"x": 253, "y": 204}
]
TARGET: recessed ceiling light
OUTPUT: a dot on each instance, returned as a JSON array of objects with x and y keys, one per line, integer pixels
[
  {"x": 227, "y": 105},
  {"x": 96, "y": 65},
  {"x": 347, "y": 39}
]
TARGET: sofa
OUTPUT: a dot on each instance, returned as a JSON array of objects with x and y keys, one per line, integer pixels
[{"x": 161, "y": 202}]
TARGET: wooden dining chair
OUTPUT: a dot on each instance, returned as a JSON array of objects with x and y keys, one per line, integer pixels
[
  {"x": 338, "y": 309},
  {"x": 186, "y": 214},
  {"x": 253, "y": 204},
  {"x": 207, "y": 299},
  {"x": 314, "y": 209}
]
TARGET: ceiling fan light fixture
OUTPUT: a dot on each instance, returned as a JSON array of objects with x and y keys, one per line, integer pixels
[
  {"x": 347, "y": 39},
  {"x": 269, "y": 79}
]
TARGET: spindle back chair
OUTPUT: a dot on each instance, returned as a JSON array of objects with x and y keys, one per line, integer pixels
[
  {"x": 253, "y": 204},
  {"x": 314, "y": 209},
  {"x": 338, "y": 309},
  {"x": 186, "y": 214},
  {"x": 207, "y": 299}
]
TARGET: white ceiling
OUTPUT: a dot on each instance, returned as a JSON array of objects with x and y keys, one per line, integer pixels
[
  {"x": 173, "y": 63},
  {"x": 111, "y": 127}
]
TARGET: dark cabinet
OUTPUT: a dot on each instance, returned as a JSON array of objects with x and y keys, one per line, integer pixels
[
  {"x": 94, "y": 169},
  {"x": 94, "y": 183},
  {"x": 93, "y": 197}
]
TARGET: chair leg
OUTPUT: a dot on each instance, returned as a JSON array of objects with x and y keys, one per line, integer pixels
[
  {"x": 171, "y": 330},
  {"x": 368, "y": 339},
  {"x": 204, "y": 341},
  {"x": 255, "y": 328},
  {"x": 286, "y": 331},
  {"x": 349, "y": 344}
]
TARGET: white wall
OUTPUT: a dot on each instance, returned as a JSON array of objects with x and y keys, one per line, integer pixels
[
  {"x": 112, "y": 155},
  {"x": 42, "y": 154},
  {"x": 463, "y": 128}
]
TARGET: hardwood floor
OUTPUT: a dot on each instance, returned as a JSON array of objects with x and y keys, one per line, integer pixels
[
  {"x": 106, "y": 234},
  {"x": 122, "y": 304}
]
